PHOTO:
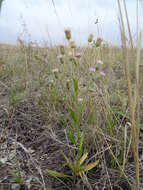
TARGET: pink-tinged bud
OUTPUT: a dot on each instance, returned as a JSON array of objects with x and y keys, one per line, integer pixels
[
  {"x": 80, "y": 99},
  {"x": 100, "y": 62},
  {"x": 56, "y": 70},
  {"x": 90, "y": 38},
  {"x": 102, "y": 73},
  {"x": 92, "y": 69},
  {"x": 72, "y": 45},
  {"x": 68, "y": 34},
  {"x": 78, "y": 55},
  {"x": 98, "y": 42},
  {"x": 62, "y": 49}
]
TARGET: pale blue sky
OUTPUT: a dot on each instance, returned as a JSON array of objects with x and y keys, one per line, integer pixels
[{"x": 40, "y": 21}]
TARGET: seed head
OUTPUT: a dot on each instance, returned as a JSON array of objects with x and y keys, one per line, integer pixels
[
  {"x": 68, "y": 34},
  {"x": 62, "y": 49},
  {"x": 72, "y": 45},
  {"x": 90, "y": 38},
  {"x": 98, "y": 42}
]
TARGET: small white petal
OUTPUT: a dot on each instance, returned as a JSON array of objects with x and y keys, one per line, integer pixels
[
  {"x": 80, "y": 99},
  {"x": 78, "y": 55},
  {"x": 92, "y": 69},
  {"x": 70, "y": 53},
  {"x": 103, "y": 73},
  {"x": 56, "y": 70},
  {"x": 60, "y": 56},
  {"x": 100, "y": 62}
]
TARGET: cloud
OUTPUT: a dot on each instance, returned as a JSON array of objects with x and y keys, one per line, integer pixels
[{"x": 45, "y": 22}]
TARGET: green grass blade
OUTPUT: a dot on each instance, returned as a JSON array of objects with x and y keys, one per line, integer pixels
[
  {"x": 83, "y": 158},
  {"x": 69, "y": 162},
  {"x": 56, "y": 174},
  {"x": 90, "y": 166}
]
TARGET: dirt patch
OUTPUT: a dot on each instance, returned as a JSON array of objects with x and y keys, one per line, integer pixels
[{"x": 28, "y": 147}]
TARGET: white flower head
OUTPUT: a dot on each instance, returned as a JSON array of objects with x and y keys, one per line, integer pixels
[
  {"x": 92, "y": 69},
  {"x": 100, "y": 62},
  {"x": 68, "y": 80},
  {"x": 80, "y": 99},
  {"x": 102, "y": 73},
  {"x": 70, "y": 53},
  {"x": 60, "y": 56},
  {"x": 78, "y": 55},
  {"x": 56, "y": 70},
  {"x": 51, "y": 81}
]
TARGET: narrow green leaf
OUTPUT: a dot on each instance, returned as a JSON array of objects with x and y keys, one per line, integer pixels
[
  {"x": 17, "y": 177},
  {"x": 83, "y": 158},
  {"x": 84, "y": 179},
  {"x": 90, "y": 166},
  {"x": 71, "y": 137},
  {"x": 73, "y": 116},
  {"x": 80, "y": 145},
  {"x": 75, "y": 85},
  {"x": 12, "y": 96},
  {"x": 73, "y": 60},
  {"x": 56, "y": 174},
  {"x": 69, "y": 162}
]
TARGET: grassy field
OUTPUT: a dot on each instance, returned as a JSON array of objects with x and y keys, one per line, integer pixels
[
  {"x": 65, "y": 119},
  {"x": 71, "y": 118}
]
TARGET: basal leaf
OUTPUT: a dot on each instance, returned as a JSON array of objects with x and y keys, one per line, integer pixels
[
  {"x": 71, "y": 137},
  {"x": 90, "y": 166},
  {"x": 83, "y": 158},
  {"x": 56, "y": 174}
]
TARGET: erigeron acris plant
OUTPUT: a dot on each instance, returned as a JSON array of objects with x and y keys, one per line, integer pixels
[{"x": 75, "y": 135}]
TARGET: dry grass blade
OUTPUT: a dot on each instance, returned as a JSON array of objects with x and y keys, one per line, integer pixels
[
  {"x": 134, "y": 130},
  {"x": 1, "y": 1},
  {"x": 56, "y": 174},
  {"x": 71, "y": 107},
  {"x": 34, "y": 163},
  {"x": 128, "y": 24},
  {"x": 137, "y": 86},
  {"x": 90, "y": 166}
]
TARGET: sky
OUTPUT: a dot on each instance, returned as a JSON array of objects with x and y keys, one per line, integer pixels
[{"x": 44, "y": 21}]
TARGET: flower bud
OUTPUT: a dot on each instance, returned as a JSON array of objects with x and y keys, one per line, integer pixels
[
  {"x": 72, "y": 45},
  {"x": 68, "y": 34},
  {"x": 62, "y": 49},
  {"x": 90, "y": 38},
  {"x": 98, "y": 42}
]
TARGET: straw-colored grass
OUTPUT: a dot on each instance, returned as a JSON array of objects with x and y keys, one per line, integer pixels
[{"x": 86, "y": 101}]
